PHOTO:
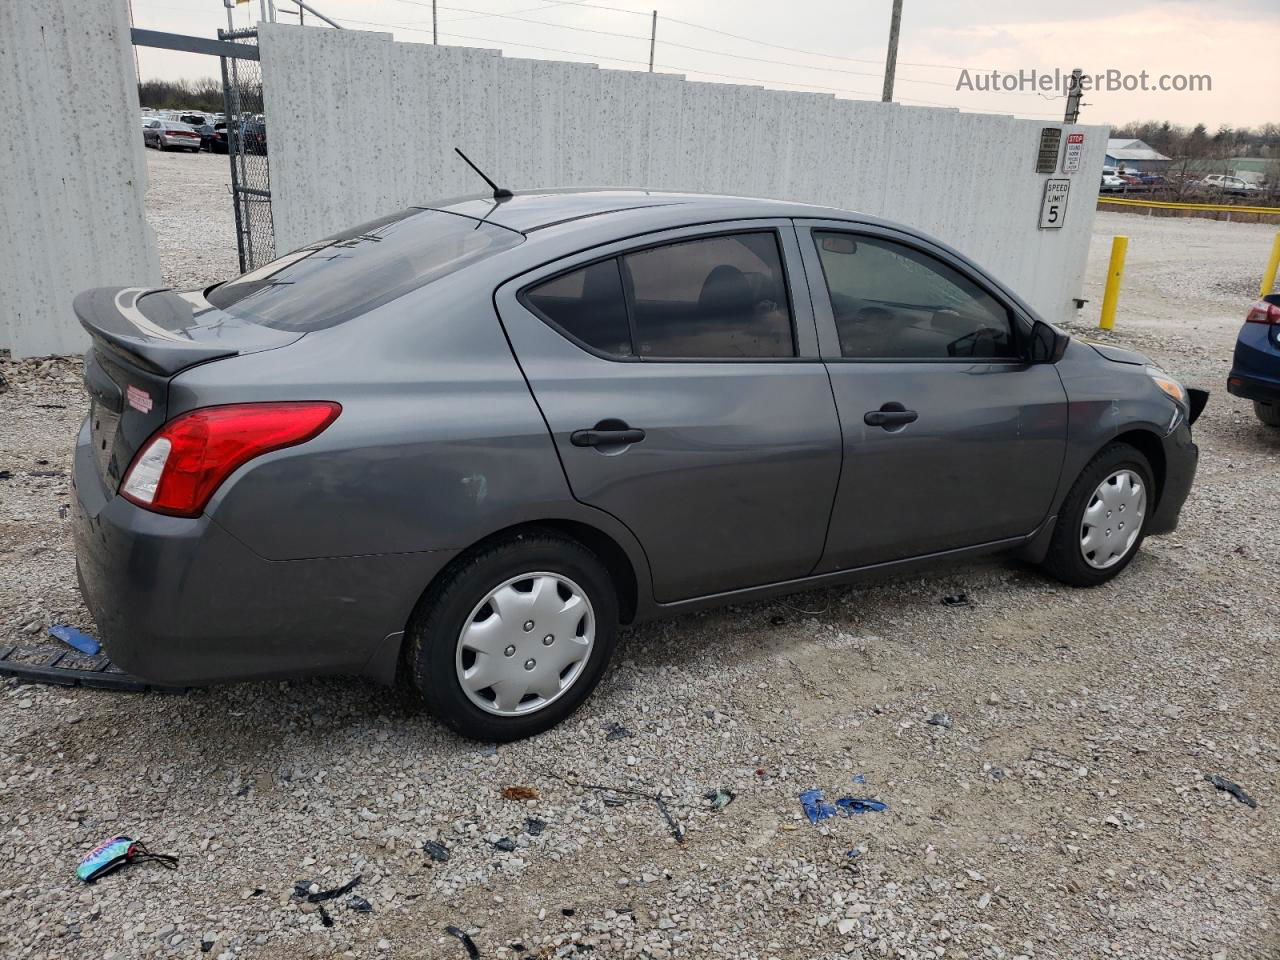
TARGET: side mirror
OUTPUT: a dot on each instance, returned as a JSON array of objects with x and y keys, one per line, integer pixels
[{"x": 1048, "y": 344}]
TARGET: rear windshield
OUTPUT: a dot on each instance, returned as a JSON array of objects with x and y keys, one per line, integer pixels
[{"x": 351, "y": 273}]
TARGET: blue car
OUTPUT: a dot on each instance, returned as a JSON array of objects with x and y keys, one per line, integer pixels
[{"x": 1255, "y": 371}]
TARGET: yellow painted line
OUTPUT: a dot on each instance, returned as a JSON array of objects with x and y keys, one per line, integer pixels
[{"x": 1214, "y": 207}]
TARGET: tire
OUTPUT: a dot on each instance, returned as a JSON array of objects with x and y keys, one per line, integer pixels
[
  {"x": 436, "y": 655},
  {"x": 1066, "y": 559},
  {"x": 1268, "y": 413}
]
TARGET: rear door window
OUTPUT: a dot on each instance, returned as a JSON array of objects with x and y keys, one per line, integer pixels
[
  {"x": 351, "y": 273},
  {"x": 722, "y": 297}
]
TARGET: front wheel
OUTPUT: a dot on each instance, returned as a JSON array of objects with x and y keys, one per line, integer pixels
[
  {"x": 1268, "y": 413},
  {"x": 514, "y": 638},
  {"x": 1103, "y": 519}
]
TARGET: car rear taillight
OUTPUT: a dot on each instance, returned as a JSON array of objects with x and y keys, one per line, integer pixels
[
  {"x": 1263, "y": 312},
  {"x": 186, "y": 460}
]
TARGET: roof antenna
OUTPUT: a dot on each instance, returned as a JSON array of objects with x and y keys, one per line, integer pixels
[{"x": 499, "y": 193}]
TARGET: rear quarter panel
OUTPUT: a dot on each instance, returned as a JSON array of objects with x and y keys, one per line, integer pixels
[{"x": 439, "y": 442}]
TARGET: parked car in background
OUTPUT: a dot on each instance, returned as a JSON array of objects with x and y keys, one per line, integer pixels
[
  {"x": 1222, "y": 184},
  {"x": 1112, "y": 183},
  {"x": 171, "y": 135},
  {"x": 1255, "y": 367},
  {"x": 253, "y": 134},
  {"x": 196, "y": 120},
  {"x": 218, "y": 137},
  {"x": 465, "y": 443}
]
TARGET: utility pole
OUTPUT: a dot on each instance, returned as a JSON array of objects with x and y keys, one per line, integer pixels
[
  {"x": 1074, "y": 94},
  {"x": 653, "y": 38},
  {"x": 434, "y": 38},
  {"x": 891, "y": 60}
]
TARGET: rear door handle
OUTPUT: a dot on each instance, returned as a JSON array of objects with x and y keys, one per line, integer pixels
[
  {"x": 889, "y": 416},
  {"x": 606, "y": 437}
]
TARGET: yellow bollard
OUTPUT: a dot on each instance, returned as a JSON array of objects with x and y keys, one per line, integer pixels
[
  {"x": 1115, "y": 270},
  {"x": 1269, "y": 277}
]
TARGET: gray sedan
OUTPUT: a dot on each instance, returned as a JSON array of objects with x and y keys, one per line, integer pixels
[
  {"x": 170, "y": 135},
  {"x": 461, "y": 444}
]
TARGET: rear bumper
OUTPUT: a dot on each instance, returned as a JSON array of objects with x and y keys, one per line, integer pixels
[
  {"x": 1181, "y": 457},
  {"x": 181, "y": 601},
  {"x": 1253, "y": 388}
]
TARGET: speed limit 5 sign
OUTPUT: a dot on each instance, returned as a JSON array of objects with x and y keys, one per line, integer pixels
[{"x": 1053, "y": 210}]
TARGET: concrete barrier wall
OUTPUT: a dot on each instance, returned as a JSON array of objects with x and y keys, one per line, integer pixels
[
  {"x": 72, "y": 171},
  {"x": 361, "y": 125}
]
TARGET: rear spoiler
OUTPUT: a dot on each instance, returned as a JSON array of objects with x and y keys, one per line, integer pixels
[{"x": 114, "y": 321}]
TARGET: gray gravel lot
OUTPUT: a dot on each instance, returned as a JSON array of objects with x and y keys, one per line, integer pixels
[{"x": 1062, "y": 813}]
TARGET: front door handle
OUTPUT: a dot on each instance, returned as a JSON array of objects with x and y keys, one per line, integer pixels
[
  {"x": 889, "y": 416},
  {"x": 606, "y": 434}
]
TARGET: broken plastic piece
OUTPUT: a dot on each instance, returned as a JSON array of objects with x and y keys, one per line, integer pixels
[
  {"x": 333, "y": 894},
  {"x": 852, "y": 805},
  {"x": 1237, "y": 791},
  {"x": 359, "y": 904},
  {"x": 957, "y": 600},
  {"x": 325, "y": 918},
  {"x": 505, "y": 844},
  {"x": 813, "y": 806},
  {"x": 940, "y": 720},
  {"x": 436, "y": 851},
  {"x": 472, "y": 950},
  {"x": 77, "y": 639},
  {"x": 719, "y": 797},
  {"x": 534, "y": 827}
]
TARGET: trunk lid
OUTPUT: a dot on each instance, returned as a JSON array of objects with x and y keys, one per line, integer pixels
[{"x": 143, "y": 338}]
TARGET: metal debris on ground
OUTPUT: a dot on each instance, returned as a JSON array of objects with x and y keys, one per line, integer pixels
[
  {"x": 957, "y": 600},
  {"x": 673, "y": 824},
  {"x": 472, "y": 950},
  {"x": 436, "y": 851},
  {"x": 616, "y": 731},
  {"x": 1231, "y": 787},
  {"x": 520, "y": 793},
  {"x": 720, "y": 798},
  {"x": 359, "y": 904},
  {"x": 534, "y": 827},
  {"x": 74, "y": 638},
  {"x": 940, "y": 720}
]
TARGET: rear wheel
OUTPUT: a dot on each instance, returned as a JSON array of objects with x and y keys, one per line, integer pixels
[
  {"x": 514, "y": 638},
  {"x": 1103, "y": 520},
  {"x": 1268, "y": 413}
]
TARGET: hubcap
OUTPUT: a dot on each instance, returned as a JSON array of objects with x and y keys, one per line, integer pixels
[
  {"x": 1113, "y": 519},
  {"x": 525, "y": 644}
]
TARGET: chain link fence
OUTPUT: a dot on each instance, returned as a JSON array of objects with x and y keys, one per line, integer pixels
[{"x": 247, "y": 149}]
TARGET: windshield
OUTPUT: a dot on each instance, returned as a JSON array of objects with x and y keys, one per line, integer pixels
[{"x": 351, "y": 273}]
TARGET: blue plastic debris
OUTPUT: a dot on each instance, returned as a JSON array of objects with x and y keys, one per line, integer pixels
[
  {"x": 859, "y": 778},
  {"x": 814, "y": 808},
  {"x": 855, "y": 852},
  {"x": 852, "y": 805},
  {"x": 75, "y": 638}
]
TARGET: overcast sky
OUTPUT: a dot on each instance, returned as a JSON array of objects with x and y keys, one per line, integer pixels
[{"x": 837, "y": 46}]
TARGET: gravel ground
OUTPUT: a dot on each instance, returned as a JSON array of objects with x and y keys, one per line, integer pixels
[{"x": 1059, "y": 809}]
